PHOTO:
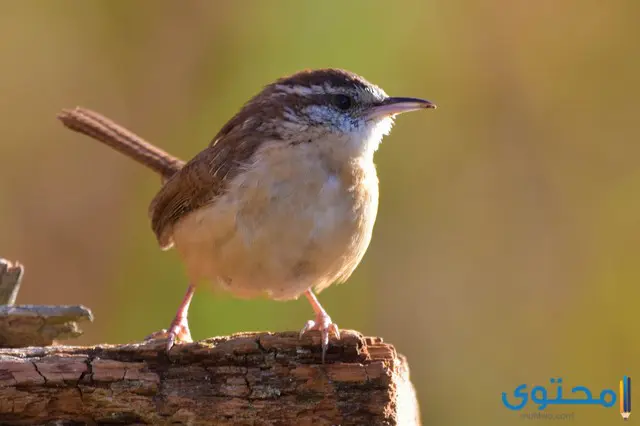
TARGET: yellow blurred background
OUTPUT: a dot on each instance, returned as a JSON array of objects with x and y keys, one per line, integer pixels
[{"x": 506, "y": 246}]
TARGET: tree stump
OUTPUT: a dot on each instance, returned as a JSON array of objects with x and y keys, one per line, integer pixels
[{"x": 244, "y": 379}]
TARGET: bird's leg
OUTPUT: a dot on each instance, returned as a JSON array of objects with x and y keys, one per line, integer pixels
[
  {"x": 322, "y": 322},
  {"x": 179, "y": 329}
]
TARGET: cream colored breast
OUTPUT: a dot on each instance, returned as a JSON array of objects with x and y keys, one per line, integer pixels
[{"x": 296, "y": 218}]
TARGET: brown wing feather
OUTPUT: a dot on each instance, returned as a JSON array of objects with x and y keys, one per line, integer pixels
[
  {"x": 198, "y": 183},
  {"x": 204, "y": 178}
]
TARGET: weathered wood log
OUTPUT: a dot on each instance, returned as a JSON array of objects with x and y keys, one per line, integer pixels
[
  {"x": 250, "y": 378},
  {"x": 33, "y": 325},
  {"x": 40, "y": 325}
]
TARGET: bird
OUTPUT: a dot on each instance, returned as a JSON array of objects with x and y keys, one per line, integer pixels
[{"x": 282, "y": 202}]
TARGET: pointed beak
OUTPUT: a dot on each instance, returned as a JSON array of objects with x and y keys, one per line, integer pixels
[{"x": 393, "y": 106}]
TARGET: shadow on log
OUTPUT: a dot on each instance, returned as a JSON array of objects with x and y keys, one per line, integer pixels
[{"x": 250, "y": 378}]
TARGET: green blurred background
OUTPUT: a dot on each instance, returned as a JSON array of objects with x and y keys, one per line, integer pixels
[{"x": 506, "y": 247}]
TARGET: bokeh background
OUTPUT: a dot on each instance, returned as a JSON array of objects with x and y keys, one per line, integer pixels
[{"x": 506, "y": 247}]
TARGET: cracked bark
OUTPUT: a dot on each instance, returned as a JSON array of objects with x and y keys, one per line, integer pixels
[{"x": 250, "y": 378}]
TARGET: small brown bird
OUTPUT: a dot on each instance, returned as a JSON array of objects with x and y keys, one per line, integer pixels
[{"x": 284, "y": 199}]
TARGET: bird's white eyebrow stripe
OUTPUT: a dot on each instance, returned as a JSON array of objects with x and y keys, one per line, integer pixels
[
  {"x": 315, "y": 89},
  {"x": 305, "y": 90}
]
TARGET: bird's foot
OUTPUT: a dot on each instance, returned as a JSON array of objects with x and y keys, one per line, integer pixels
[
  {"x": 325, "y": 326},
  {"x": 177, "y": 332}
]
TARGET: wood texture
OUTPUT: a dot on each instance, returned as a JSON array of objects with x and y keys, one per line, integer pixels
[
  {"x": 251, "y": 378},
  {"x": 36, "y": 325}
]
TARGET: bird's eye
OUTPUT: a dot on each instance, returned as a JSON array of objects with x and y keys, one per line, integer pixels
[{"x": 342, "y": 101}]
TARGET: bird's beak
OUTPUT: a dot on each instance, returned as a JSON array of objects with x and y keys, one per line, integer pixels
[{"x": 392, "y": 106}]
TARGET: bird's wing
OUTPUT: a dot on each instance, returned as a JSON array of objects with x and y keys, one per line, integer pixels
[{"x": 200, "y": 182}]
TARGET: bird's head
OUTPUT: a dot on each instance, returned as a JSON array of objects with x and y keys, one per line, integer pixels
[{"x": 304, "y": 107}]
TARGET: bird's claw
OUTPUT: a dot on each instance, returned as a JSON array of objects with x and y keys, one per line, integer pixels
[
  {"x": 178, "y": 332},
  {"x": 325, "y": 326}
]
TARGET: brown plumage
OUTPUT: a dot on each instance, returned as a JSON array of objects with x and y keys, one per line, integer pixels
[{"x": 199, "y": 182}]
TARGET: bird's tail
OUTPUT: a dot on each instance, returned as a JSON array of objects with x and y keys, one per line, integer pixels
[{"x": 92, "y": 124}]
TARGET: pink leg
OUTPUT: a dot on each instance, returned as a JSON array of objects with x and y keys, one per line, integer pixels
[
  {"x": 322, "y": 322},
  {"x": 179, "y": 329}
]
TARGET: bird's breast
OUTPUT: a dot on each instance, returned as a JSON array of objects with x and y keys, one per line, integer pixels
[{"x": 293, "y": 219}]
